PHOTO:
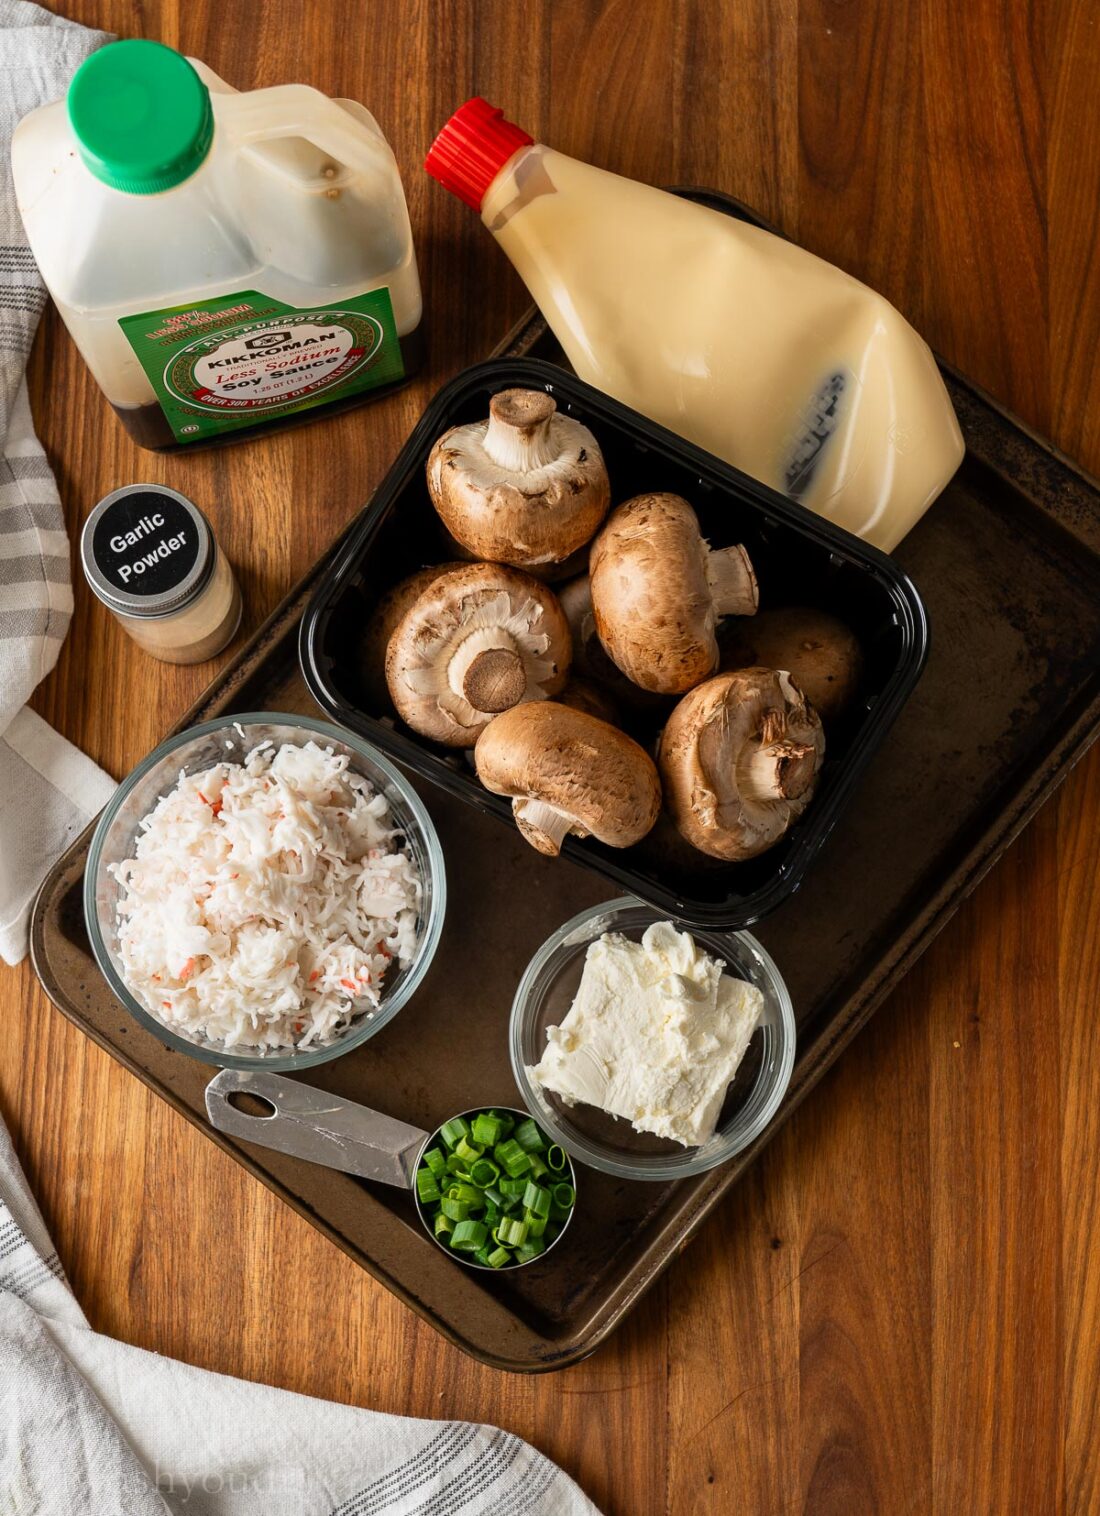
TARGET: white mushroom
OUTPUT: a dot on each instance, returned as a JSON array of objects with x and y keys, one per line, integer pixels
[
  {"x": 739, "y": 760},
  {"x": 527, "y": 487},
  {"x": 658, "y": 592},
  {"x": 477, "y": 641},
  {"x": 569, "y": 774}
]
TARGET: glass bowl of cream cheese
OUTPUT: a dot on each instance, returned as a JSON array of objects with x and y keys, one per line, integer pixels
[{"x": 649, "y": 1050}]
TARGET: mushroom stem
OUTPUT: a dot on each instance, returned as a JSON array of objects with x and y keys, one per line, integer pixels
[
  {"x": 495, "y": 680},
  {"x": 517, "y": 438},
  {"x": 732, "y": 582},
  {"x": 487, "y": 670},
  {"x": 543, "y": 825},
  {"x": 779, "y": 771}
]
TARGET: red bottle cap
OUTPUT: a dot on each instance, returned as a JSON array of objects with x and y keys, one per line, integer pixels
[{"x": 472, "y": 149}]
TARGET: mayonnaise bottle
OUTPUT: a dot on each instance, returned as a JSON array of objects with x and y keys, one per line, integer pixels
[
  {"x": 225, "y": 262},
  {"x": 745, "y": 344}
]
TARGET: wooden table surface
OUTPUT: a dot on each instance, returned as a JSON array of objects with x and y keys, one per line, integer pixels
[{"x": 899, "y": 1311}]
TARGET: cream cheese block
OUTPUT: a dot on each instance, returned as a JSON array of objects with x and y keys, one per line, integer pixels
[{"x": 654, "y": 1035}]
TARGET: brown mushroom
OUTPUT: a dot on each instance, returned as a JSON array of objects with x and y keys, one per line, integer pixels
[
  {"x": 527, "y": 487},
  {"x": 552, "y": 573},
  {"x": 477, "y": 641},
  {"x": 387, "y": 612},
  {"x": 739, "y": 760},
  {"x": 569, "y": 774},
  {"x": 820, "y": 653},
  {"x": 590, "y": 658},
  {"x": 659, "y": 591}
]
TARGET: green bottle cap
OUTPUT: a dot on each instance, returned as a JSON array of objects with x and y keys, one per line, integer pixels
[{"x": 141, "y": 115}]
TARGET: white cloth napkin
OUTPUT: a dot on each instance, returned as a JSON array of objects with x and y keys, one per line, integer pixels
[
  {"x": 92, "y": 1427},
  {"x": 49, "y": 791}
]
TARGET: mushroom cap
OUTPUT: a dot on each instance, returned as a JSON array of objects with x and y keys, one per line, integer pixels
[
  {"x": 479, "y": 639},
  {"x": 387, "y": 612},
  {"x": 651, "y": 595},
  {"x": 552, "y": 573},
  {"x": 538, "y": 500},
  {"x": 585, "y": 770},
  {"x": 821, "y": 654},
  {"x": 590, "y": 659},
  {"x": 739, "y": 760}
]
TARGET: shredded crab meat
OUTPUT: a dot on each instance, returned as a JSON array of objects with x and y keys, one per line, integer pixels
[{"x": 266, "y": 901}]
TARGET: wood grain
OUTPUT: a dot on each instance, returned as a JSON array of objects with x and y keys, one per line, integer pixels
[{"x": 899, "y": 1312}]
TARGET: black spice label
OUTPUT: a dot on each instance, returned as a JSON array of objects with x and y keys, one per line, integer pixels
[{"x": 146, "y": 543}]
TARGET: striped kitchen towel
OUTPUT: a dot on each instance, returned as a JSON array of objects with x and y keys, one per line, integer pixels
[
  {"x": 48, "y": 790},
  {"x": 92, "y": 1426}
]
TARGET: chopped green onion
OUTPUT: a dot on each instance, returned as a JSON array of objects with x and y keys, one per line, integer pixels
[
  {"x": 468, "y": 1236},
  {"x": 536, "y": 1199},
  {"x": 512, "y": 1157},
  {"x": 454, "y": 1130},
  {"x": 529, "y": 1137},
  {"x": 486, "y": 1129},
  {"x": 483, "y": 1173},
  {"x": 426, "y": 1187},
  {"x": 493, "y": 1189},
  {"x": 510, "y": 1233}
]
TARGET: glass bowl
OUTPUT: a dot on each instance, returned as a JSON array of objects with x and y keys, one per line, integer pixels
[
  {"x": 222, "y": 741},
  {"x": 543, "y": 999}
]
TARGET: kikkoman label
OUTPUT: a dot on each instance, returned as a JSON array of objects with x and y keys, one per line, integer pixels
[{"x": 222, "y": 364}]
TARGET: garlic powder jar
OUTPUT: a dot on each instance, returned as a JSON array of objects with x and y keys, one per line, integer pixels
[{"x": 150, "y": 556}]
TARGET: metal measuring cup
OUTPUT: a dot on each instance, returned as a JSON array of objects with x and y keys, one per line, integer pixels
[{"x": 309, "y": 1123}]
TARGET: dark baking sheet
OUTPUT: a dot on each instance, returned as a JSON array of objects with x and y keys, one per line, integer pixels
[{"x": 1008, "y": 561}]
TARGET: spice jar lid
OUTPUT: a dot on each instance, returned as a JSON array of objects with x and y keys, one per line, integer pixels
[{"x": 147, "y": 550}]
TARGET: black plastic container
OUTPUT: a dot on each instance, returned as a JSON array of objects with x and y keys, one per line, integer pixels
[{"x": 799, "y": 560}]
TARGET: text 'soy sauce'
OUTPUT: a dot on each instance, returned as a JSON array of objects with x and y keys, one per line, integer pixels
[{"x": 745, "y": 344}]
